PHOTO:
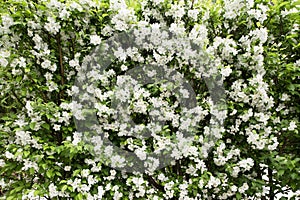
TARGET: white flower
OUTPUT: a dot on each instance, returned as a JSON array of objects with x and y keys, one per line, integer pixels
[
  {"x": 117, "y": 161},
  {"x": 23, "y": 137},
  {"x": 140, "y": 106},
  {"x": 120, "y": 54},
  {"x": 22, "y": 62},
  {"x": 124, "y": 67},
  {"x": 184, "y": 92},
  {"x": 138, "y": 181},
  {"x": 285, "y": 97},
  {"x": 76, "y": 6},
  {"x": 176, "y": 11},
  {"x": 56, "y": 127},
  {"x": 29, "y": 164},
  {"x": 54, "y": 4},
  {"x": 76, "y": 110},
  {"x": 76, "y": 138},
  {"x": 52, "y": 26},
  {"x": 67, "y": 168},
  {"x": 46, "y": 64},
  {"x": 261, "y": 34},
  {"x": 53, "y": 191},
  {"x": 213, "y": 182},
  {"x": 246, "y": 164},
  {"x": 162, "y": 177},
  {"x": 232, "y": 8},
  {"x": 3, "y": 62},
  {"x": 177, "y": 29},
  {"x": 243, "y": 188},
  {"x": 176, "y": 153},
  {"x": 95, "y": 39},
  {"x": 108, "y": 151},
  {"x": 48, "y": 76},
  {"x": 53, "y": 68},
  {"x": 91, "y": 180},
  {"x": 193, "y": 14},
  {"x": 292, "y": 126},
  {"x": 52, "y": 86},
  {"x": 2, "y": 162},
  {"x": 151, "y": 164},
  {"x": 226, "y": 71},
  {"x": 85, "y": 173},
  {"x": 156, "y": 2},
  {"x": 75, "y": 89},
  {"x": 234, "y": 188},
  {"x": 64, "y": 14},
  {"x": 7, "y": 21},
  {"x": 8, "y": 155},
  {"x": 286, "y": 12},
  {"x": 274, "y": 145},
  {"x": 169, "y": 185},
  {"x": 235, "y": 171},
  {"x": 101, "y": 192},
  {"x": 74, "y": 63},
  {"x": 118, "y": 195},
  {"x": 140, "y": 154}
]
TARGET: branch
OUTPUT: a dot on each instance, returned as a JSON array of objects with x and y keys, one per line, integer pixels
[
  {"x": 271, "y": 191},
  {"x": 62, "y": 70},
  {"x": 178, "y": 168},
  {"x": 62, "y": 74},
  {"x": 192, "y": 4},
  {"x": 19, "y": 100},
  {"x": 155, "y": 184}
]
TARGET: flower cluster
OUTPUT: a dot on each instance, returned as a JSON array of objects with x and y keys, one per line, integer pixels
[{"x": 201, "y": 95}]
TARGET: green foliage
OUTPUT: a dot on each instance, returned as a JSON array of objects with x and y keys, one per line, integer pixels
[{"x": 40, "y": 154}]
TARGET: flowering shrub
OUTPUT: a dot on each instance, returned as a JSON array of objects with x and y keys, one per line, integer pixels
[{"x": 252, "y": 51}]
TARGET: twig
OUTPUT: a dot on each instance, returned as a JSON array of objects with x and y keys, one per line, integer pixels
[
  {"x": 271, "y": 192},
  {"x": 62, "y": 74},
  {"x": 62, "y": 70},
  {"x": 155, "y": 184},
  {"x": 178, "y": 168},
  {"x": 15, "y": 95}
]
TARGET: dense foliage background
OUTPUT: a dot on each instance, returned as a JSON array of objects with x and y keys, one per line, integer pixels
[{"x": 255, "y": 45}]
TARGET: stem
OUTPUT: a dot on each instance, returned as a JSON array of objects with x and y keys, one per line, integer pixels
[
  {"x": 62, "y": 74},
  {"x": 259, "y": 176},
  {"x": 192, "y": 4},
  {"x": 62, "y": 70},
  {"x": 155, "y": 184},
  {"x": 178, "y": 168},
  {"x": 271, "y": 192},
  {"x": 19, "y": 100}
]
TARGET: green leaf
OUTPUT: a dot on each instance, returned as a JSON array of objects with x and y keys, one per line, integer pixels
[
  {"x": 65, "y": 187},
  {"x": 26, "y": 153},
  {"x": 281, "y": 172},
  {"x": 44, "y": 166},
  {"x": 10, "y": 198},
  {"x": 238, "y": 195},
  {"x": 36, "y": 193},
  {"x": 46, "y": 126},
  {"x": 49, "y": 173},
  {"x": 31, "y": 171},
  {"x": 294, "y": 176},
  {"x": 32, "y": 125},
  {"x": 79, "y": 196},
  {"x": 18, "y": 189},
  {"x": 58, "y": 173},
  {"x": 19, "y": 78},
  {"x": 291, "y": 87}
]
